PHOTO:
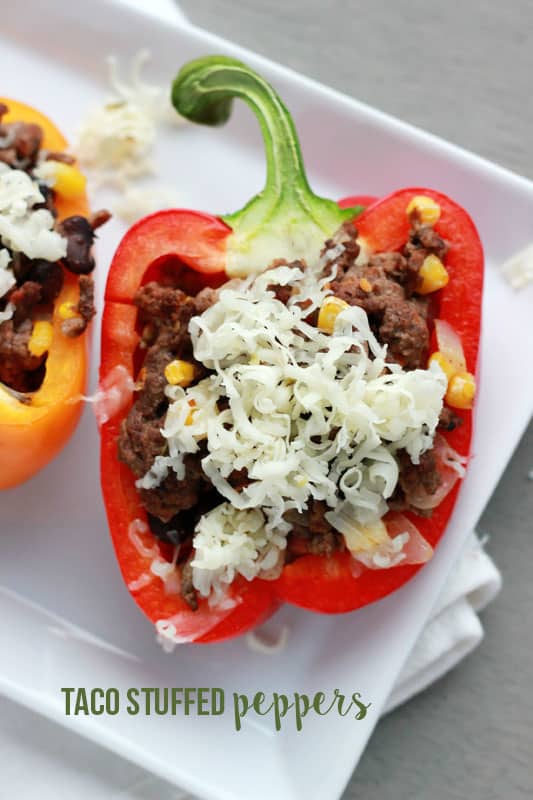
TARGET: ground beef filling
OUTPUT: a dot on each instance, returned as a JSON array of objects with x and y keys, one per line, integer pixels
[
  {"x": 39, "y": 282},
  {"x": 384, "y": 286},
  {"x": 164, "y": 316}
]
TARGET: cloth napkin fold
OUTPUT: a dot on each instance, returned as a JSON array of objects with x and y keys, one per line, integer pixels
[{"x": 454, "y": 628}]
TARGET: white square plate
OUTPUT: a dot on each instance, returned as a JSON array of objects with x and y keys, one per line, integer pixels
[{"x": 56, "y": 557}]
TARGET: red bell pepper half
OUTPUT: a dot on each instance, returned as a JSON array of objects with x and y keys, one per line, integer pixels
[{"x": 284, "y": 220}]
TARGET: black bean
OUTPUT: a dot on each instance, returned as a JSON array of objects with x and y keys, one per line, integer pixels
[
  {"x": 49, "y": 275},
  {"x": 80, "y": 237},
  {"x": 21, "y": 266},
  {"x": 172, "y": 532},
  {"x": 48, "y": 202}
]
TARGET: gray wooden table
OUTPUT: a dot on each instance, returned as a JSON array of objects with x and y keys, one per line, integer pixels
[{"x": 465, "y": 71}]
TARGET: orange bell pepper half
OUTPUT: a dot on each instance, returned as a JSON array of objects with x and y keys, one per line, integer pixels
[{"x": 31, "y": 434}]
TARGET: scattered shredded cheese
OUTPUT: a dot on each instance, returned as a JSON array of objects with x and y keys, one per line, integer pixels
[
  {"x": 143, "y": 580},
  {"x": 137, "y": 202},
  {"x": 113, "y": 394},
  {"x": 167, "y": 636},
  {"x": 159, "y": 471},
  {"x": 309, "y": 416},
  {"x": 168, "y": 574},
  {"x": 159, "y": 567},
  {"x": 190, "y": 626},
  {"x": 153, "y": 100},
  {"x": 136, "y": 529},
  {"x": 116, "y": 140},
  {"x": 519, "y": 268}
]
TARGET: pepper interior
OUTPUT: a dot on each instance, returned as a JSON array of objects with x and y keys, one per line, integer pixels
[{"x": 28, "y": 306}]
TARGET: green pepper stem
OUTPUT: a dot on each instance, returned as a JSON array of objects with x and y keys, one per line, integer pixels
[{"x": 286, "y": 219}]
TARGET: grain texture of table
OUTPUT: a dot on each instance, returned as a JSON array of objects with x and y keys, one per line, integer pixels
[{"x": 463, "y": 71}]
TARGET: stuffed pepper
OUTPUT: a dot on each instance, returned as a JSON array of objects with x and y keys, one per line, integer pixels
[
  {"x": 46, "y": 291},
  {"x": 290, "y": 387}
]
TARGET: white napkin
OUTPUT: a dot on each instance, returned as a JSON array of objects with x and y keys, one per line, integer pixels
[{"x": 454, "y": 629}]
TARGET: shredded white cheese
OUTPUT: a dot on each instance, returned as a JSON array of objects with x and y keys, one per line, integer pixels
[
  {"x": 519, "y": 268},
  {"x": 136, "y": 529},
  {"x": 24, "y": 229},
  {"x": 7, "y": 313},
  {"x": 230, "y": 541},
  {"x": 136, "y": 202},
  {"x": 309, "y": 416},
  {"x": 159, "y": 471},
  {"x": 167, "y": 573},
  {"x": 7, "y": 278},
  {"x": 190, "y": 626},
  {"x": 45, "y": 171},
  {"x": 116, "y": 140},
  {"x": 113, "y": 394}
]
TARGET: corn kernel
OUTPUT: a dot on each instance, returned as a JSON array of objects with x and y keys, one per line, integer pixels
[
  {"x": 67, "y": 180},
  {"x": 67, "y": 311},
  {"x": 461, "y": 390},
  {"x": 445, "y": 365},
  {"x": 41, "y": 338},
  {"x": 190, "y": 415},
  {"x": 330, "y": 310},
  {"x": 428, "y": 210},
  {"x": 434, "y": 275},
  {"x": 365, "y": 285},
  {"x": 179, "y": 373}
]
